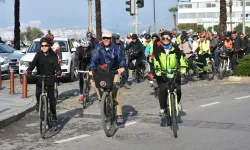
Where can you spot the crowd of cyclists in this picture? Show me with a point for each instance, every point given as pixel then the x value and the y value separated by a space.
pixel 163 51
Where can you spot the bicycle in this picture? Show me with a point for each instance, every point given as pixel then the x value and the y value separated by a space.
pixel 56 90
pixel 44 107
pixel 173 112
pixel 108 107
pixel 225 64
pixel 86 88
pixel 139 73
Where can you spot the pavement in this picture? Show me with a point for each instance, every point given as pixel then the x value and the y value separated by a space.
pixel 216 116
pixel 13 107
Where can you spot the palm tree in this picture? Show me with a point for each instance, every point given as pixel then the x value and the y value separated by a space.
pixel 17 24
pixel 174 10
pixel 231 11
pixel 98 19
pixel 223 18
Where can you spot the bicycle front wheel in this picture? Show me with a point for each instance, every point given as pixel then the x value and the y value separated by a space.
pixel 108 117
pixel 43 113
pixel 86 96
pixel 210 71
pixel 173 115
pixel 222 68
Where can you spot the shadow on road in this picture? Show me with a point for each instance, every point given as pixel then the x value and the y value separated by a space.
pixel 128 111
pixel 67 94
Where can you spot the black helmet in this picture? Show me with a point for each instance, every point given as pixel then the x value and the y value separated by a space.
pixel 184 37
pixel 134 36
pixel 115 36
pixel 147 36
pixel 228 34
pixel 155 35
pixel 89 34
pixel 47 40
pixel 167 33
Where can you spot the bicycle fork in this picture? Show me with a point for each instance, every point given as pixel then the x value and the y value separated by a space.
pixel 169 102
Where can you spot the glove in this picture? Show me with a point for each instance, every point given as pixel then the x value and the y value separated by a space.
pixel 27 72
pixel 59 74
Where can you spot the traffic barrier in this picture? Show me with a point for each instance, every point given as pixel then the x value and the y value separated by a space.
pixel 24 87
pixel 12 81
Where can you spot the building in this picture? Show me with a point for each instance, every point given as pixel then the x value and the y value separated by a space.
pixel 207 12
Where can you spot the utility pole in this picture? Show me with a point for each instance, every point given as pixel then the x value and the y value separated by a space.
pixel 90 26
pixel 243 16
pixel 136 20
pixel 154 18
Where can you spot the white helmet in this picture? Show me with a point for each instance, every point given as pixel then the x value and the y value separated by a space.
pixel 84 43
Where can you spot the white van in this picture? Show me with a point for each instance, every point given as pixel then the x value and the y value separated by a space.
pixel 67 63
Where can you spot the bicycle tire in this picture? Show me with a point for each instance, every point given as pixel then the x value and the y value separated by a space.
pixel 85 86
pixel 211 66
pixel 43 113
pixel 184 79
pixel 108 113
pixel 221 70
pixel 173 115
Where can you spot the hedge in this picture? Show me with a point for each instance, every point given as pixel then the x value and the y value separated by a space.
pixel 243 67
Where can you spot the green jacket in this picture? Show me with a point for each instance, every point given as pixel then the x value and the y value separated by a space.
pixel 173 59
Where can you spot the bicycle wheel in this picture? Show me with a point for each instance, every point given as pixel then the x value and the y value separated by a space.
pixel 108 115
pixel 222 68
pixel 56 91
pixel 184 79
pixel 210 71
pixel 85 99
pixel 43 113
pixel 173 115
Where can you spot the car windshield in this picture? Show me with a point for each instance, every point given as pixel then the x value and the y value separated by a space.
pixel 36 47
pixel 6 49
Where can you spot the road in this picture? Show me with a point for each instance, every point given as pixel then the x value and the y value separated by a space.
pixel 216 116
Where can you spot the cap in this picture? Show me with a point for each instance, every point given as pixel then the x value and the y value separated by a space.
pixel 107 34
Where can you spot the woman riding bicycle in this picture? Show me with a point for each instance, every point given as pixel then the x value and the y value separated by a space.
pixel 167 55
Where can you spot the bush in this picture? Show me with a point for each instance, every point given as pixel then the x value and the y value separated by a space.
pixel 243 67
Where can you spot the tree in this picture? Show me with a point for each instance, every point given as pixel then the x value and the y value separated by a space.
pixel 210 29
pixel 194 27
pixel 199 28
pixel 238 28
pixel 32 33
pixel 22 36
pixel 98 19
pixel 231 11
pixel 174 10
pixel 17 24
pixel 223 18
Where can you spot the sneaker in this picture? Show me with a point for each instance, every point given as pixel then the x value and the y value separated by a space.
pixel 162 112
pixel 54 118
pixel 80 98
pixel 127 86
pixel 119 119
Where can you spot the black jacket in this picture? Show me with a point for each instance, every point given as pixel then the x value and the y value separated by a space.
pixel 46 65
pixel 82 57
pixel 238 43
pixel 136 49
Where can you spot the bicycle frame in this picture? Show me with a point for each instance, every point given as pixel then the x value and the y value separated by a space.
pixel 169 102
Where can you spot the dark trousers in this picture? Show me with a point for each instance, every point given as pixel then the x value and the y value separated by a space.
pixel 163 91
pixel 125 76
pixel 51 96
pixel 217 58
pixel 202 58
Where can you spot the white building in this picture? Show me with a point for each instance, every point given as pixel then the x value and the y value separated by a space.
pixel 207 12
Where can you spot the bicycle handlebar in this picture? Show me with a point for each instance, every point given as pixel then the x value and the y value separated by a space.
pixel 81 71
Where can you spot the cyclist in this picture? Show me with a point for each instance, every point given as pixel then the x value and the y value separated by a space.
pixel 136 54
pixel 50 35
pixel 91 39
pixel 203 48
pixel 148 40
pixel 46 63
pixel 110 53
pixel 167 54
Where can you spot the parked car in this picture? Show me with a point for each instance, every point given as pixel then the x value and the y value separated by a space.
pixel 67 63
pixel 10 58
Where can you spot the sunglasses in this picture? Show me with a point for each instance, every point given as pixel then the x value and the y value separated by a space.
pixel 165 38
pixel 106 38
pixel 133 39
pixel 44 45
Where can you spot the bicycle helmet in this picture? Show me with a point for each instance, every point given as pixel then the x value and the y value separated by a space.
pixel 115 36
pixel 228 34
pixel 167 33
pixel 147 36
pixel 84 43
pixel 47 40
pixel 155 35
pixel 89 34
pixel 134 36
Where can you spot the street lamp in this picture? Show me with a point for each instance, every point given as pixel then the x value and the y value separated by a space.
pixel 154 17
pixel 243 15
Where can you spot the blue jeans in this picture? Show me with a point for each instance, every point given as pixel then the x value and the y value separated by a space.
pixel 217 58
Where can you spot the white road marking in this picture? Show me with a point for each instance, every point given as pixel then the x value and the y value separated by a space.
pixel 72 139
pixel 209 104
pixel 242 97
pixel 131 123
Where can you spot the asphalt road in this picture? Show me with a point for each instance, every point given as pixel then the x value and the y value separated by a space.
pixel 216 117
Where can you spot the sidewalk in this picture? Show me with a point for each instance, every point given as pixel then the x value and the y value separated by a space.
pixel 13 107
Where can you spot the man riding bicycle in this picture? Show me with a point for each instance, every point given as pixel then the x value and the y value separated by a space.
pixel 135 50
pixel 109 53
pixel 46 62
pixel 167 55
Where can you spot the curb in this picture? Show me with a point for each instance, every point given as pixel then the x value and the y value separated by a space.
pixel 237 79
pixel 18 114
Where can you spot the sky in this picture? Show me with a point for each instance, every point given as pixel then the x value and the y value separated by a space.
pixel 67 14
